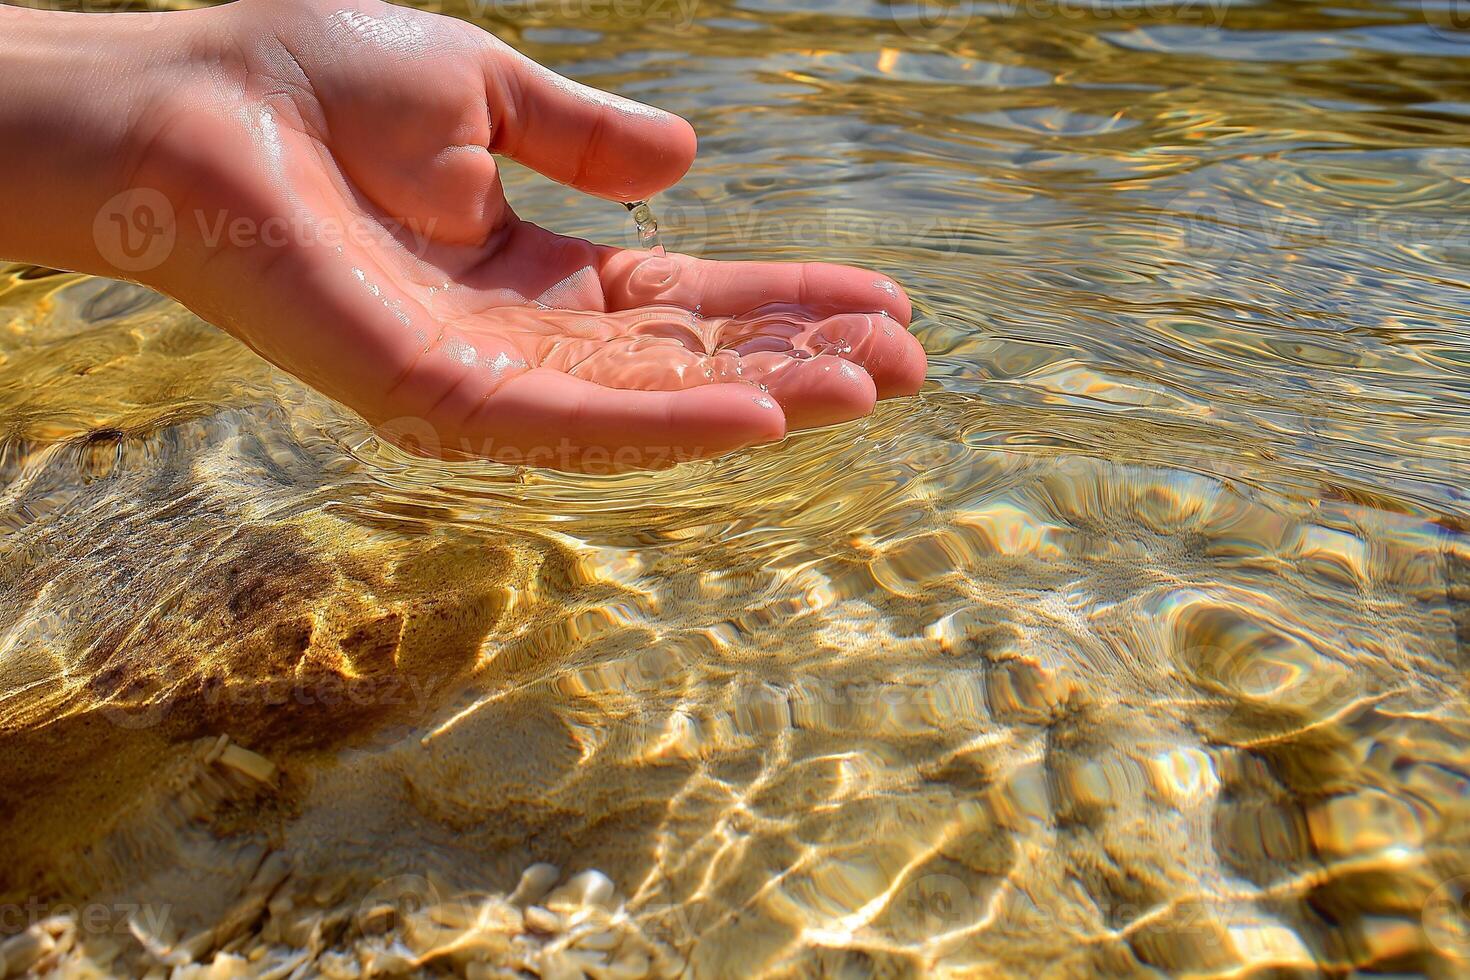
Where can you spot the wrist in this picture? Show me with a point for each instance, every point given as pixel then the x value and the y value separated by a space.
pixel 76 91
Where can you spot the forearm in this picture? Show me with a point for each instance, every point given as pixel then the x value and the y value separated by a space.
pixel 72 90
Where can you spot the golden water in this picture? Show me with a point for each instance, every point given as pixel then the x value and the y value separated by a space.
pixel 1137 643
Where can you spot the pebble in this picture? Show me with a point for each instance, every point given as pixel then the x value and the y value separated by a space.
pixel 477 937
pixel 252 764
pixel 535 882
pixel 18 952
pixel 631 965
pixel 601 939
pixel 544 920
pixel 339 966
pixel 586 888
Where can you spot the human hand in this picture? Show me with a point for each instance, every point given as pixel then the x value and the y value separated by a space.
pixel 329 171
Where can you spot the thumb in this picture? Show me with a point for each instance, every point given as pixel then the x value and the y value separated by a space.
pixel 597 142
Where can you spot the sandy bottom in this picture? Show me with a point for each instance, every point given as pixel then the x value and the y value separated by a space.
pixel 261 923
pixel 278 700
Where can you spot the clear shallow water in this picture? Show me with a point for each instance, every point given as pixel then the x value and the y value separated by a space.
pixel 1136 644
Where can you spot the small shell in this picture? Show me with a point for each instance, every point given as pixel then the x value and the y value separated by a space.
pixel 224 966
pixel 217 749
pixel 601 939
pixel 535 882
pixel 196 946
pixel 252 764
pixel 631 965
pixel 377 919
pixel 339 966
pixel 567 964
pixel 539 919
pixel 489 971
pixel 20 951
pixel 457 913
pixel 282 966
pixel 587 888
pixel 590 962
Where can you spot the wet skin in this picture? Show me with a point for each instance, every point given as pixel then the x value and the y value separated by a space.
pixel 334 202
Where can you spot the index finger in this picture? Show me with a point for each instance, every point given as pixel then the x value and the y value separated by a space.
pixel 597 142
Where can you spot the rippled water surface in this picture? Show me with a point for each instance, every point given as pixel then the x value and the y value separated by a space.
pixel 1136 643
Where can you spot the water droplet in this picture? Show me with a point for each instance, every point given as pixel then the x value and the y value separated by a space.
pixel 647 227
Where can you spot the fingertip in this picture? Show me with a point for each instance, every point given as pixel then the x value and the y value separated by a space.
pixel 646 151
pixel 902 367
pixel 893 299
pixel 733 416
pixel 824 390
pixel 860 290
pixel 600 143
pixel 677 148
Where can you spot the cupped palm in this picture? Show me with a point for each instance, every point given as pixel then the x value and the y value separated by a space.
pixel 396 278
